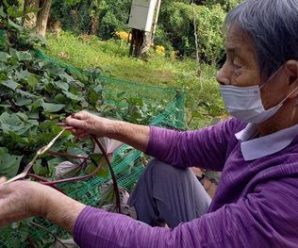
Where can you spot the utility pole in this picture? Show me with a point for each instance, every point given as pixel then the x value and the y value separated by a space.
pixel 154 27
pixel 143 21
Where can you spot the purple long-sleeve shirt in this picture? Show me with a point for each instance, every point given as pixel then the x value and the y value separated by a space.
pixel 256 204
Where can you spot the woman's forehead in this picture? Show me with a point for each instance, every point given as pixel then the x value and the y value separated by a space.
pixel 239 42
pixel 236 38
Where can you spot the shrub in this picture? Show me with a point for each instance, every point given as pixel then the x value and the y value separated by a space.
pixel 180 26
pixel 209 22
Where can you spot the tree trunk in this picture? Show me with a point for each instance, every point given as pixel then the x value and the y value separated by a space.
pixel 75 20
pixel 42 17
pixel 144 43
pixel 137 40
pixel 94 25
pixel 30 9
pixel 147 43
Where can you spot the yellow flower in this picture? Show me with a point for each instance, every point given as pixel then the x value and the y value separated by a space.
pixel 122 35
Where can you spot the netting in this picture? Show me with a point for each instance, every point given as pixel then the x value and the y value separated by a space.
pixel 128 163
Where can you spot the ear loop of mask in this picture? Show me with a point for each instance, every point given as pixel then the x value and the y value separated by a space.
pixel 271 77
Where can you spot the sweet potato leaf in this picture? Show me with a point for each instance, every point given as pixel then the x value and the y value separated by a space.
pixel 9 164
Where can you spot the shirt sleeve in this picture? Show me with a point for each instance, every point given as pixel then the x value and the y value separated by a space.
pixel 266 218
pixel 206 148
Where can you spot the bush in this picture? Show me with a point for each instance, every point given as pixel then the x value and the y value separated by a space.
pixel 180 26
pixel 209 22
pixel 226 4
pixel 76 15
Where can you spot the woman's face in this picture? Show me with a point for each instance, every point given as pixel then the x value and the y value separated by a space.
pixel 241 69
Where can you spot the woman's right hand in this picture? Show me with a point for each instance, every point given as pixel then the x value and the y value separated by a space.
pixel 83 123
pixel 23 199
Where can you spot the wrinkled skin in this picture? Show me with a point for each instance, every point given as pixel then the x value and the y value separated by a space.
pixel 23 199
pixel 84 123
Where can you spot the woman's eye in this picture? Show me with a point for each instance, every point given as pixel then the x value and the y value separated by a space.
pixel 236 64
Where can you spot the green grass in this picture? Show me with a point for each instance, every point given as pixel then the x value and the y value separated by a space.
pixel 203 102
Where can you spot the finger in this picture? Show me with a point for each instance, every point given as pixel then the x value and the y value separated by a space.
pixel 3 180
pixel 72 122
pixel 75 116
pixel 79 116
pixel 61 124
pixel 82 136
pixel 70 128
pixel 78 131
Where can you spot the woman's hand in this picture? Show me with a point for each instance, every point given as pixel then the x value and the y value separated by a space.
pixel 21 199
pixel 83 123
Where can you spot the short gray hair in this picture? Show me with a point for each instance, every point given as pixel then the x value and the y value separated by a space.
pixel 273 27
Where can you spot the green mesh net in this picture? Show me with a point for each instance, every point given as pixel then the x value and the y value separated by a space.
pixel 127 163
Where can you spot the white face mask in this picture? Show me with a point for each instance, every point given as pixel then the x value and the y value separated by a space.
pixel 245 103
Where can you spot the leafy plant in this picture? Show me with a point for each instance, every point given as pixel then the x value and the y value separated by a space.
pixel 180 19
pixel 36 95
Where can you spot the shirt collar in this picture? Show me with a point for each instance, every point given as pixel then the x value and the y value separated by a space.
pixel 254 148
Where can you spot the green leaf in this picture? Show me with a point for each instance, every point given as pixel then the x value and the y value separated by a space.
pixel 98 159
pixel 66 77
pixel 10 84
pixel 52 163
pixel 26 94
pixel 15 26
pixel 2 13
pixel 24 56
pixel 32 80
pixel 27 77
pixel 72 96
pixel 12 123
pixel 61 85
pixel 39 169
pixel 4 57
pixel 9 164
pixel 52 107
pixel 21 101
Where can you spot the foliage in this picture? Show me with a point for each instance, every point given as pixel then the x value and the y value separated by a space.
pixel 112 15
pixel 180 20
pixel 226 4
pixel 36 95
pixel 209 22
pixel 175 26
pixel 203 101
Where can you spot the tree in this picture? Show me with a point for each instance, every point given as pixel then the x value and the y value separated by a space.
pixel 142 40
pixel 30 9
pixel 43 16
pixel 37 20
pixel 94 15
pixel 10 7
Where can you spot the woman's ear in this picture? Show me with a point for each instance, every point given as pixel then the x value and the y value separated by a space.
pixel 291 75
pixel 291 69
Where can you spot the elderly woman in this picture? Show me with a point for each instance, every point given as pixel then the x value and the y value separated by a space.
pixel 257 151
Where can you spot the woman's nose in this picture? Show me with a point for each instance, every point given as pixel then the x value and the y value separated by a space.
pixel 221 77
